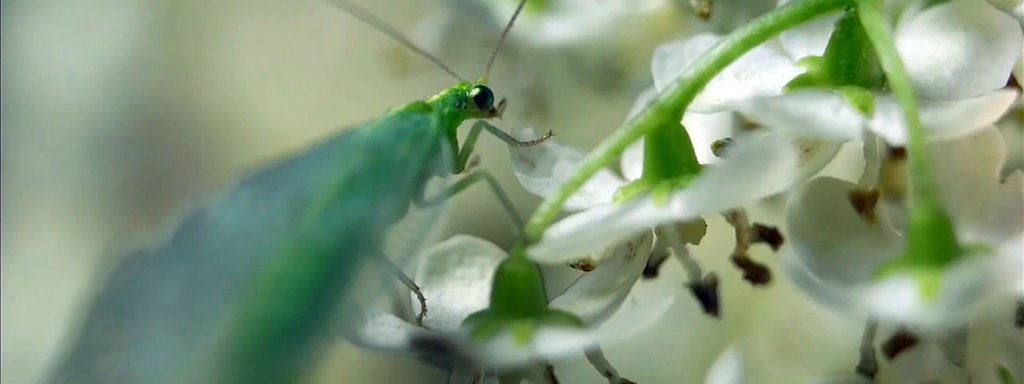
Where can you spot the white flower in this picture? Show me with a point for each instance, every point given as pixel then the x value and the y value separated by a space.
pixel 970 353
pixel 958 54
pixel 568 22
pixel 756 167
pixel 727 368
pixel 456 278
pixel 835 253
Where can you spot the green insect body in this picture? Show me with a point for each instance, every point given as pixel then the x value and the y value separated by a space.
pixel 247 289
pixel 398 153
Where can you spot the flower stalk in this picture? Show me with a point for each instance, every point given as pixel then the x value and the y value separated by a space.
pixel 670 104
pixel 931 240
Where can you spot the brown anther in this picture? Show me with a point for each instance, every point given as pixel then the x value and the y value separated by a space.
pixel 753 272
pixel 706 293
pixel 654 264
pixel 864 202
pixel 585 265
pixel 703 9
pixel 900 341
pixel 897 153
pixel 893 175
pixel 768 235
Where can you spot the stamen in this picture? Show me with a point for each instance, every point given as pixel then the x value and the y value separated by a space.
pixel 706 292
pixel 703 287
pixel 868 364
pixel 753 272
pixel 654 263
pixel 761 233
pixel 893 176
pixel 597 359
pixel 900 341
pixel 864 202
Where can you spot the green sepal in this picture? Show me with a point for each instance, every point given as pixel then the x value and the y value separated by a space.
pixel 660 190
pixel 862 100
pixel 518 288
pixel 518 303
pixel 1004 375
pixel 670 164
pixel 849 66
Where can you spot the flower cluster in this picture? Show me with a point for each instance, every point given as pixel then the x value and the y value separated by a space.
pixel 924 243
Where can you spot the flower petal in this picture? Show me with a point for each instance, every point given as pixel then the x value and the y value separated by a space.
pixel 814 155
pixel 848 249
pixel 754 169
pixel 596 295
pixel 941 118
pixel 759 73
pixel 543 168
pixel 958 49
pixel 380 331
pixel 985 208
pixel 808 39
pixel 810 114
pixel 704 129
pixel 834 254
pixel 926 362
pixel 727 369
pixel 632 161
pixel 994 340
pixel 455 276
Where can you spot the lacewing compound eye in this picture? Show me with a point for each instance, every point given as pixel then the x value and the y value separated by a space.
pixel 482 96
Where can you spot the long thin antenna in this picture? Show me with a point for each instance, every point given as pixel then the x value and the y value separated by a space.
pixel 501 40
pixel 383 27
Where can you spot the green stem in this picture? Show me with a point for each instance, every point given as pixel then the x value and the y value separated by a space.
pixel 873 20
pixel 931 242
pixel 670 104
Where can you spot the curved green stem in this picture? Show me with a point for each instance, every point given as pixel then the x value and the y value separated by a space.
pixel 670 104
pixel 873 20
pixel 931 242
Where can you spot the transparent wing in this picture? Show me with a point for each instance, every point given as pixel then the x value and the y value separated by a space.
pixel 165 314
pixel 403 245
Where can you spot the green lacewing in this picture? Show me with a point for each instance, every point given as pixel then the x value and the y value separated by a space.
pixel 247 288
